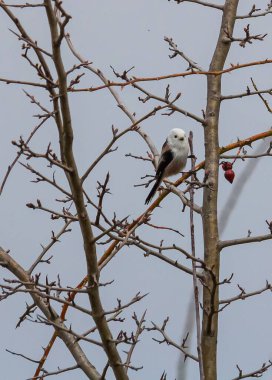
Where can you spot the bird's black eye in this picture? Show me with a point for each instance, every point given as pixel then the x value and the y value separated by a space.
pixel 176 136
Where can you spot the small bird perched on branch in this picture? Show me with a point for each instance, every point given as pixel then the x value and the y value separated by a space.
pixel 172 159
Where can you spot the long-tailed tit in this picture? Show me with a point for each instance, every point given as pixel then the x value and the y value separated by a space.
pixel 172 159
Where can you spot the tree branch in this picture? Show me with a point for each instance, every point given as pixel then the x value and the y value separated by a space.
pixel 195 284
pixel 70 342
pixel 211 72
pixel 66 145
pixel 200 2
pixel 210 193
pixel 250 239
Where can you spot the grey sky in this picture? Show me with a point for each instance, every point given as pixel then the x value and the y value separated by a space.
pixel 125 34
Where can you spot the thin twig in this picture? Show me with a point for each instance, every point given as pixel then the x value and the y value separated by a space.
pixel 243 294
pixel 169 341
pixel 140 329
pixel 11 166
pixel 251 239
pixel 26 83
pixel 257 373
pixel 200 2
pixel 54 239
pixel 173 47
pixel 120 103
pixel 26 5
pixel 22 356
pixel 196 293
pixel 57 372
pixel 261 97
pixel 134 80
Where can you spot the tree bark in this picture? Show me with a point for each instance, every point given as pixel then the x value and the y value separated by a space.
pixel 67 155
pixel 210 222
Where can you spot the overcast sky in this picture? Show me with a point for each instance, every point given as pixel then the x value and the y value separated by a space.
pixel 123 34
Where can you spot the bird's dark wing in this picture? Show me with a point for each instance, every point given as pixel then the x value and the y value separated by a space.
pixel 165 159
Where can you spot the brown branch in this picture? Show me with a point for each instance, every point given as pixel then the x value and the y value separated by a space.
pixel 246 156
pixel 50 314
pixel 33 100
pixel 32 44
pixel 116 136
pixel 103 376
pixel 247 93
pixel 198 261
pixel 6 289
pixel 43 178
pixel 69 331
pixel 201 165
pixel 29 310
pixel 105 232
pixel 257 373
pixel 120 103
pixel 261 97
pixel 139 330
pixel 250 239
pixel 253 13
pixel 46 287
pixel 111 251
pixel 156 203
pixel 67 369
pixel 112 318
pixel 11 166
pixel 243 295
pixel 210 193
pixel 261 14
pixel 138 157
pixel 170 104
pixel 45 72
pixel 26 5
pixel 117 247
pixel 169 341
pixel 138 297
pixel 211 72
pixel 15 81
pixel 66 145
pixel 50 156
pixel 200 2
pixel 62 24
pixel 195 284
pixel 248 37
pixel 164 228
pixel 185 201
pixel 174 48
pixel 66 215
pixel 174 263
pixel 22 356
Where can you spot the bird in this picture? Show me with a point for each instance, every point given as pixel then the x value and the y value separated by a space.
pixel 172 159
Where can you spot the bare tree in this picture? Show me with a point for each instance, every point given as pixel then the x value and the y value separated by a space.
pixel 79 211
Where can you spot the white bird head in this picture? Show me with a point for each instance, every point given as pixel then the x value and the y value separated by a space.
pixel 177 137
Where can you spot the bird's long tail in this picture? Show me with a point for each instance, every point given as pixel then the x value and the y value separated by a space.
pixel 153 190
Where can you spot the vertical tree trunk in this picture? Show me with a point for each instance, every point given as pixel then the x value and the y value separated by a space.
pixel 210 223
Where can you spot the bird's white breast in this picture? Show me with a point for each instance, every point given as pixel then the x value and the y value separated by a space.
pixel 179 161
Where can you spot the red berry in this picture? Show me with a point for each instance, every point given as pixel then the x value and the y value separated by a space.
pixel 226 165
pixel 229 175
